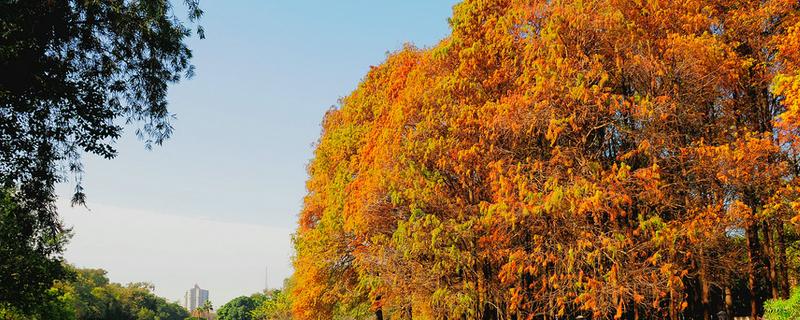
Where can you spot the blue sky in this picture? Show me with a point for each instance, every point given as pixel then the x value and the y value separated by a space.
pixel 232 177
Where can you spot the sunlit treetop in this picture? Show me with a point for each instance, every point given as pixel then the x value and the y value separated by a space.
pixel 561 158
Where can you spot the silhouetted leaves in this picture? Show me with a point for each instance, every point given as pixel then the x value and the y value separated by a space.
pixel 73 74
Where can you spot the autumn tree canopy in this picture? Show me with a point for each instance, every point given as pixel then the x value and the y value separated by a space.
pixel 596 158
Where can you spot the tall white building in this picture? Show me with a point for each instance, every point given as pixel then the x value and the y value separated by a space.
pixel 195 298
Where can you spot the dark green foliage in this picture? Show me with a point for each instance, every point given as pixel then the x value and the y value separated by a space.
pixel 269 305
pixel 240 308
pixel 29 260
pixel 54 306
pixel 91 296
pixel 71 71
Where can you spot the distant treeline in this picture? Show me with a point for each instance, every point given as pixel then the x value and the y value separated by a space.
pixel 268 305
pixel 87 294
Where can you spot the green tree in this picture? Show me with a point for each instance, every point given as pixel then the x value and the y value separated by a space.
pixel 71 73
pixel 89 295
pixel 92 296
pixel 29 260
pixel 240 308
pixel 277 305
pixel 54 306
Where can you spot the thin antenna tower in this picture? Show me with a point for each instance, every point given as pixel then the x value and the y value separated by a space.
pixel 266 278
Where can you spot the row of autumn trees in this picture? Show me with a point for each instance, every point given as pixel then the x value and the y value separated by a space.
pixel 596 158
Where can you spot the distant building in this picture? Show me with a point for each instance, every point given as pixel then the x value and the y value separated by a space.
pixel 195 298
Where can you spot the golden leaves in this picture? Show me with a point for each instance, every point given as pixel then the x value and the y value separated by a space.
pixel 554 157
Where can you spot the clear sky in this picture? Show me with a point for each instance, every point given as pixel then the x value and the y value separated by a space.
pixel 219 201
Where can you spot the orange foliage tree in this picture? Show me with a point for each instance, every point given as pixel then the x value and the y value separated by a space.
pixel 596 158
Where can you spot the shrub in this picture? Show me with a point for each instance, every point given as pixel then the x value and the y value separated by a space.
pixel 779 309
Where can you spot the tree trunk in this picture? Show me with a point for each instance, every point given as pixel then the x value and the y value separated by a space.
pixel 673 314
pixel 769 251
pixel 704 297
pixel 704 287
pixel 379 310
pixel 728 301
pixel 489 312
pixel 783 267
pixel 754 258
